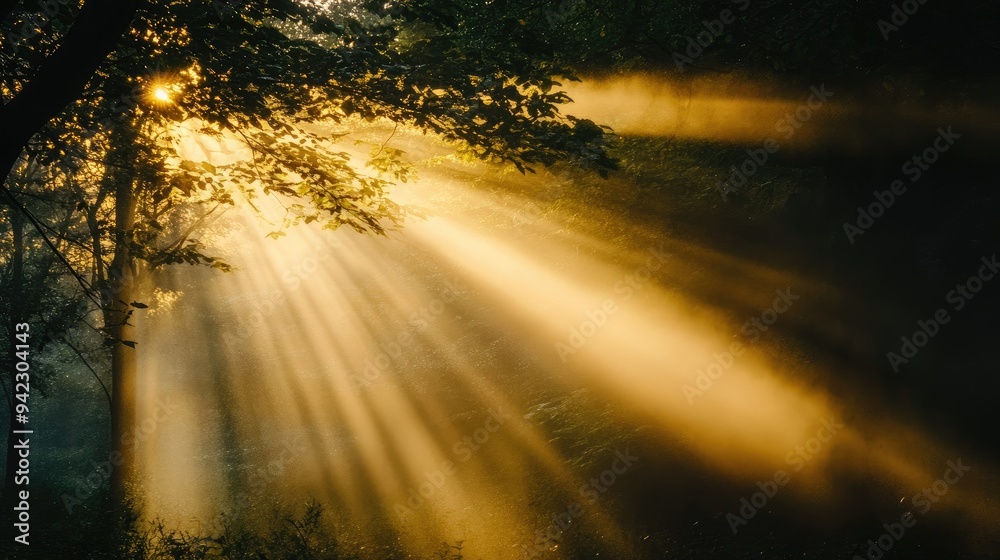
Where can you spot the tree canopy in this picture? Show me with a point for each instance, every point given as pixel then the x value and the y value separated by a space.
pixel 96 94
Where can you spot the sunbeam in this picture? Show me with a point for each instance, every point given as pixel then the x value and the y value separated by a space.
pixel 395 378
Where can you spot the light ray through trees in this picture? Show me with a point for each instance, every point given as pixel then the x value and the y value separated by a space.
pixel 353 370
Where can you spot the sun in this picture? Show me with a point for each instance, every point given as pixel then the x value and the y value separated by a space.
pixel 162 91
pixel 162 95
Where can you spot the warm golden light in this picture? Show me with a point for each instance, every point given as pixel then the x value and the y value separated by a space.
pixel 360 371
pixel 731 109
pixel 162 95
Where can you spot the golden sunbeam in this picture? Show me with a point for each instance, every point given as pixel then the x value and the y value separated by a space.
pixel 415 383
pixel 797 116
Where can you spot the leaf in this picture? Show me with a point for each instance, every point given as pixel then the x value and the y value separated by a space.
pixel 138 305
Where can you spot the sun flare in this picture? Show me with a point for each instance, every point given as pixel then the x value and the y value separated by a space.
pixel 162 95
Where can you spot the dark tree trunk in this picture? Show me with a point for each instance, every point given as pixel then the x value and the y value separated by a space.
pixel 99 26
pixel 117 298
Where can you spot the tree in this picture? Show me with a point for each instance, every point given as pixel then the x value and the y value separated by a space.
pixel 34 282
pixel 41 92
pixel 264 72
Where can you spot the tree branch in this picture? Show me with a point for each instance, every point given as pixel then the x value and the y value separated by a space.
pixel 18 207
pixel 62 77
pixel 86 363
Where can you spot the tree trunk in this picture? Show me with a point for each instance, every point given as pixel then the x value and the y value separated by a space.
pixel 118 295
pixel 60 79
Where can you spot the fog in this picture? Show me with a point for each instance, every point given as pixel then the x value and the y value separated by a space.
pixel 470 376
